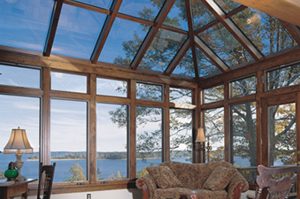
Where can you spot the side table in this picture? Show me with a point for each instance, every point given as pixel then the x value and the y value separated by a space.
pixel 11 189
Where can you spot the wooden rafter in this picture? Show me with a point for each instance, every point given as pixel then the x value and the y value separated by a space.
pixel 233 29
pixel 178 57
pixel 52 27
pixel 105 30
pixel 163 13
pixel 87 6
pixel 211 55
pixel 293 30
pixel 191 36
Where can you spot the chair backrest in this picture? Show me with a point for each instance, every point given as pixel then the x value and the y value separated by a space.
pixel 277 181
pixel 46 176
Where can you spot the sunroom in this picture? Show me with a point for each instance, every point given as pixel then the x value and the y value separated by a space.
pixel 106 88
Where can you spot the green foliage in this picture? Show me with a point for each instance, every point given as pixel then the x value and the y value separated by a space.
pixel 77 173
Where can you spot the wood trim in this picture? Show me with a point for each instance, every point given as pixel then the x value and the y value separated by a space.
pixel 232 28
pixel 57 6
pixel 180 54
pixel 11 90
pixel 112 100
pixel 105 30
pixel 66 95
pixel 286 57
pixel 163 13
pixel 298 136
pixel 131 169
pixel 260 75
pixel 87 6
pixel 293 30
pixel 227 125
pixel 166 125
pixel 210 54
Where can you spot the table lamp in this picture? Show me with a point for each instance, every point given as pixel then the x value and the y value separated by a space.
pixel 18 143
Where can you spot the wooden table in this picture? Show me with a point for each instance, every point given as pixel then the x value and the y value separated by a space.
pixel 11 189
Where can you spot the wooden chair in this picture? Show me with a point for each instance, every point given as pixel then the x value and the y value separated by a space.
pixel 277 181
pixel 46 176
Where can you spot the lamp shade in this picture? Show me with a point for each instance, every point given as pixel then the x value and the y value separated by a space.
pixel 200 135
pixel 18 142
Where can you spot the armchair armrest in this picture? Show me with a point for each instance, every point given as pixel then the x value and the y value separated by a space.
pixel 147 185
pixel 237 185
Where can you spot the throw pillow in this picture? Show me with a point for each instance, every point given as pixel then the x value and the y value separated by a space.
pixel 164 177
pixel 219 178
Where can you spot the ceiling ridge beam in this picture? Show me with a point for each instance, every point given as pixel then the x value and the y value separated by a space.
pixel 211 54
pixel 57 6
pixel 163 13
pixel 191 36
pixel 179 55
pixel 233 29
pixel 105 30
pixel 293 30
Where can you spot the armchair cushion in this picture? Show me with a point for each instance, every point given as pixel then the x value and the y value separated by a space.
pixel 164 177
pixel 223 174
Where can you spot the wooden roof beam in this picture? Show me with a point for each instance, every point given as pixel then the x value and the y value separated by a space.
pixel 293 30
pixel 152 32
pixel 233 29
pixel 286 10
pixel 211 55
pixel 105 30
pixel 180 54
pixel 57 6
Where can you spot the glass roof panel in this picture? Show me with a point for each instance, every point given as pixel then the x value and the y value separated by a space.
pixel 24 24
pixel 77 32
pixel 177 16
pixel 99 3
pixel 227 5
pixel 121 48
pixel 205 67
pixel 219 39
pixel 162 50
pixel 200 14
pixel 266 32
pixel 185 67
pixel 146 9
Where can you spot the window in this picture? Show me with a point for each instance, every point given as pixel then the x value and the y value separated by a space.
pixel 149 92
pixel 110 87
pixel 112 122
pixel 23 112
pixel 213 94
pixel 243 87
pixel 20 77
pixel 148 137
pixel 181 141
pixel 68 82
pixel 180 96
pixel 68 140
pixel 283 77
pixel 214 133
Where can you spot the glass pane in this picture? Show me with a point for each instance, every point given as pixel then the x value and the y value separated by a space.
pixel 226 46
pixel 214 133
pixel 205 67
pixel 121 48
pixel 24 24
pixel 213 94
pixel 243 131
pixel 68 140
pixel 181 142
pixel 149 92
pixel 111 87
pixel 20 77
pixel 148 138
pixel 243 87
pixel 68 82
pixel 227 5
pixel 163 48
pixel 282 134
pixel 200 14
pixel 23 112
pixel 111 141
pixel 177 16
pixel 180 95
pixel 185 67
pixel 77 32
pixel 102 3
pixel 146 9
pixel 283 77
pixel 266 32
